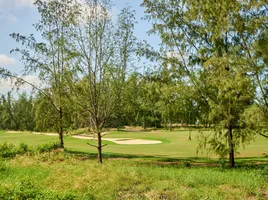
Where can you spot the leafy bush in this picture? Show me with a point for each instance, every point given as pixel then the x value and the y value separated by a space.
pixel 10 150
pixel 24 148
pixel 48 147
pixel 187 164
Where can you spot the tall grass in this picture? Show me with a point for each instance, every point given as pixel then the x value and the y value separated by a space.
pixel 60 175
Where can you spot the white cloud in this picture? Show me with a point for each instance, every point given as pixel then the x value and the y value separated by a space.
pixel 6 85
pixel 6 60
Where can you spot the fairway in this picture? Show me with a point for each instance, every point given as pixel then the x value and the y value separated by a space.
pixel 175 144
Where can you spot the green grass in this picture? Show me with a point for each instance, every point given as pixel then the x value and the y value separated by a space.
pixel 169 170
pixel 175 144
pixel 63 176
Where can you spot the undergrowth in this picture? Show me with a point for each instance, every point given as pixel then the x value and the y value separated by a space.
pixel 61 175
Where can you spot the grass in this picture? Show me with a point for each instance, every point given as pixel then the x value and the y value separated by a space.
pixel 175 144
pixel 64 176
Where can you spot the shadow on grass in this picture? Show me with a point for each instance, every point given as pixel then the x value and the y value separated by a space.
pixel 174 129
pixel 162 161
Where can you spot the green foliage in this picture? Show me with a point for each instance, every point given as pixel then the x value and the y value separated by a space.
pixel 17 113
pixel 215 46
pixel 187 164
pixel 26 189
pixel 211 70
pixel 48 147
pixel 3 165
pixel 10 150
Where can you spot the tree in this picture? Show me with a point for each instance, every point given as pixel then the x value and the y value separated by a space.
pixel 16 113
pixel 102 57
pixel 207 39
pixel 23 110
pixel 8 120
pixel 50 57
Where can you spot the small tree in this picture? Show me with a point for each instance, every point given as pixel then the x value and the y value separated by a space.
pixel 102 48
pixel 49 57
pixel 209 38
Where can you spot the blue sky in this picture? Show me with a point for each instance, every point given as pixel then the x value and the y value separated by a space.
pixel 17 16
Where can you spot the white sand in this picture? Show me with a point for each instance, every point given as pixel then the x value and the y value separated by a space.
pixel 48 134
pixel 127 141
pixel 122 140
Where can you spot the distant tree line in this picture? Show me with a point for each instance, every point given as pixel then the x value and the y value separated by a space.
pixel 152 100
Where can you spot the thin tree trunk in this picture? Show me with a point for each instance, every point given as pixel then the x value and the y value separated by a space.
pixel 99 149
pixel 61 129
pixel 231 146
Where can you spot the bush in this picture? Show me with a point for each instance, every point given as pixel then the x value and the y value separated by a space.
pixel 187 164
pixel 48 147
pixel 10 150
pixel 24 148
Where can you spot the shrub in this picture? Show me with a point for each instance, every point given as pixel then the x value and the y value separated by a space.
pixel 187 164
pixel 24 148
pixel 10 150
pixel 48 147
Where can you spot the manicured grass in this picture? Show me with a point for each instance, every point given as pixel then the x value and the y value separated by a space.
pixel 63 176
pixel 175 144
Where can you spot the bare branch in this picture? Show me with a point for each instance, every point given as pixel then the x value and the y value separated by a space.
pixel 92 145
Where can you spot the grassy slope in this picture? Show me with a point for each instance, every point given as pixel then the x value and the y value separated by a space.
pixel 63 176
pixel 175 144
pixel 127 179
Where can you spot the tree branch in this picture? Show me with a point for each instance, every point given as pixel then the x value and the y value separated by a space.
pixel 92 145
pixel 266 136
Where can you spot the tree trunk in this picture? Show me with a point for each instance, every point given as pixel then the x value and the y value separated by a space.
pixel 231 146
pixel 99 149
pixel 61 129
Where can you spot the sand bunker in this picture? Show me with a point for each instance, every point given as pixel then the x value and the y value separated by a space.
pixel 122 140
pixel 48 134
pixel 127 141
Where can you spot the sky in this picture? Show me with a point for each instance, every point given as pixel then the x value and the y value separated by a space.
pixel 18 16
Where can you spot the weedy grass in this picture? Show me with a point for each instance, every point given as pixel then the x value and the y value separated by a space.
pixel 170 170
pixel 61 175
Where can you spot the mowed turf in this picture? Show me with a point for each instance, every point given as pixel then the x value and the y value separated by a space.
pixel 175 144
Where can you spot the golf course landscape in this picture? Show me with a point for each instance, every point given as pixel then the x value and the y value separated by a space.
pixel 134 100
pixel 168 170
pixel 174 144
